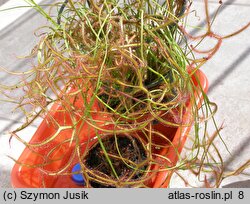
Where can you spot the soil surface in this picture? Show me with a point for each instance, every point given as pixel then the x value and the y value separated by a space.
pixel 125 154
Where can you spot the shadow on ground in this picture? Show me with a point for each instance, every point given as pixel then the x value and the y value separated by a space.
pixel 5 179
pixel 238 184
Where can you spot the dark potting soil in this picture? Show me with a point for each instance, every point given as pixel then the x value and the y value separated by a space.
pixel 130 148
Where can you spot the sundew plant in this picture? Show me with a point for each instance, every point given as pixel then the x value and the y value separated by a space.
pixel 119 68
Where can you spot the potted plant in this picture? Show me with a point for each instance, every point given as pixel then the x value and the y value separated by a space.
pixel 118 94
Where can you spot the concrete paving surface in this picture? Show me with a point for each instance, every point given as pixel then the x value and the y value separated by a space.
pixel 228 73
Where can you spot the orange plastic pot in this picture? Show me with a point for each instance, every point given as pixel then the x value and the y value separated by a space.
pixel 162 179
pixel 26 176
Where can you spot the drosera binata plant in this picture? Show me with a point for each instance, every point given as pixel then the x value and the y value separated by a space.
pixel 128 62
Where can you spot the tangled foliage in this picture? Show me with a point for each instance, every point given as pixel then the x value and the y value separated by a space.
pixel 110 76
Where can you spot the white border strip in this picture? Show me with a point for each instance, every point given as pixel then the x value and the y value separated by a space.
pixel 9 16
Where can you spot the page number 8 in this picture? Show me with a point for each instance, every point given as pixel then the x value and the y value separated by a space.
pixel 241 195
